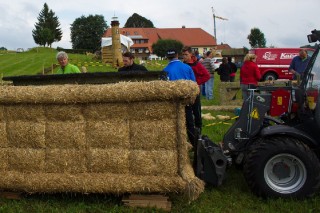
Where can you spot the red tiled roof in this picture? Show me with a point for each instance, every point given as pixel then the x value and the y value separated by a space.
pixel 223 46
pixel 194 37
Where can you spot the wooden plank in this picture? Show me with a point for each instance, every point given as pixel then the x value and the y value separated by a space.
pixel 11 195
pixel 157 201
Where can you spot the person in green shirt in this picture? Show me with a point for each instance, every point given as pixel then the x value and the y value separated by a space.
pixel 65 67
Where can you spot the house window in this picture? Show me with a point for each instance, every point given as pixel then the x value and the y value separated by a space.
pixel 194 49
pixel 132 51
pixel 140 50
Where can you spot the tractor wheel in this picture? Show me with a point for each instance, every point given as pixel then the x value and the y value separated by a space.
pixel 282 167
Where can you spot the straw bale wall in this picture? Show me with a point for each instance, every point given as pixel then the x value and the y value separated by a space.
pixel 115 138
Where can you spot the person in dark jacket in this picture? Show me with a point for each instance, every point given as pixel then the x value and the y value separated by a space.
pixel 129 65
pixel 224 70
pixel 234 68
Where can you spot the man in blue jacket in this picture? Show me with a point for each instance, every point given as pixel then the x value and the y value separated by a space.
pixel 176 70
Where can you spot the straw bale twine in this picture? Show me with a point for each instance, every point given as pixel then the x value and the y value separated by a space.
pixel 25 134
pixel 65 134
pixel 3 135
pixel 158 163
pixel 115 161
pixel 26 160
pixel 108 134
pixel 65 161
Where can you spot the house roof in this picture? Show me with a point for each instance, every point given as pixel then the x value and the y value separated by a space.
pixel 194 37
pixel 223 46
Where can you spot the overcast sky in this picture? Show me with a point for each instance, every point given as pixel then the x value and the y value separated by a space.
pixel 285 23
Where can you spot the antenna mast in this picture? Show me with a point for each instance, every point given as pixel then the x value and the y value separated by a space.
pixel 214 23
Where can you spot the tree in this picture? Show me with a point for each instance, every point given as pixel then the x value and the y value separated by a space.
pixel 161 47
pixel 47 28
pixel 136 21
pixel 256 38
pixel 86 32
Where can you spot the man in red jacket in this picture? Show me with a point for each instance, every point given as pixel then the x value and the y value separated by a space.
pixel 202 76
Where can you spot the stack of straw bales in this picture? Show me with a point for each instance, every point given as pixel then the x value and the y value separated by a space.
pixel 118 138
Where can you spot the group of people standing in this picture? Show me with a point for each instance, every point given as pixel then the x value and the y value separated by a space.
pixel 202 72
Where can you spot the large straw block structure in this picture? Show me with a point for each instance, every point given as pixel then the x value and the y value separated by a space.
pixel 119 138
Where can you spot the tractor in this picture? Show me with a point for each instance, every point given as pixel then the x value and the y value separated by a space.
pixel 275 140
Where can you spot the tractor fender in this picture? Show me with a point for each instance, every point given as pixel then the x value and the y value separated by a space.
pixel 288 130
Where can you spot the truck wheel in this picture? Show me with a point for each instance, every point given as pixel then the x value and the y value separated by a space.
pixel 270 76
pixel 282 167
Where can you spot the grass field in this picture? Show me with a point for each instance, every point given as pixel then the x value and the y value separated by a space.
pixel 233 196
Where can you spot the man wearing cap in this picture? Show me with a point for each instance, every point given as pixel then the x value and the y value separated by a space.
pixel 177 70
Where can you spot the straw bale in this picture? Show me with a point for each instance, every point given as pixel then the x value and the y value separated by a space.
pixel 65 112
pixel 154 134
pixel 90 183
pixel 108 134
pixel 3 159
pixel 182 90
pixel 115 161
pixel 157 163
pixel 114 138
pixel 152 110
pixel 106 111
pixel 25 112
pixel 65 161
pixel 3 135
pixel 26 160
pixel 24 134
pixel 65 135
pixel 2 113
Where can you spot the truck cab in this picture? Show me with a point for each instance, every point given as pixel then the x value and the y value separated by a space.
pixel 274 62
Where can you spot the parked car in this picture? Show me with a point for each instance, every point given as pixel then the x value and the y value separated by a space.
pixel 216 62
pixel 153 57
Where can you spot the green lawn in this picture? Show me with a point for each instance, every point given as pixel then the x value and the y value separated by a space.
pixel 232 196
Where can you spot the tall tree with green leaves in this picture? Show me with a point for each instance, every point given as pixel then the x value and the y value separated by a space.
pixel 47 29
pixel 256 38
pixel 137 21
pixel 161 47
pixel 86 32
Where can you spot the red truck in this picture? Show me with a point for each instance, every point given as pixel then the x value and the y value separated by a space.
pixel 274 62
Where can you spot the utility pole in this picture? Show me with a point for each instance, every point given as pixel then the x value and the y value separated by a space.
pixel 214 23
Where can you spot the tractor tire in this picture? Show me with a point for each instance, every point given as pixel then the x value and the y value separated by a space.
pixel 282 167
